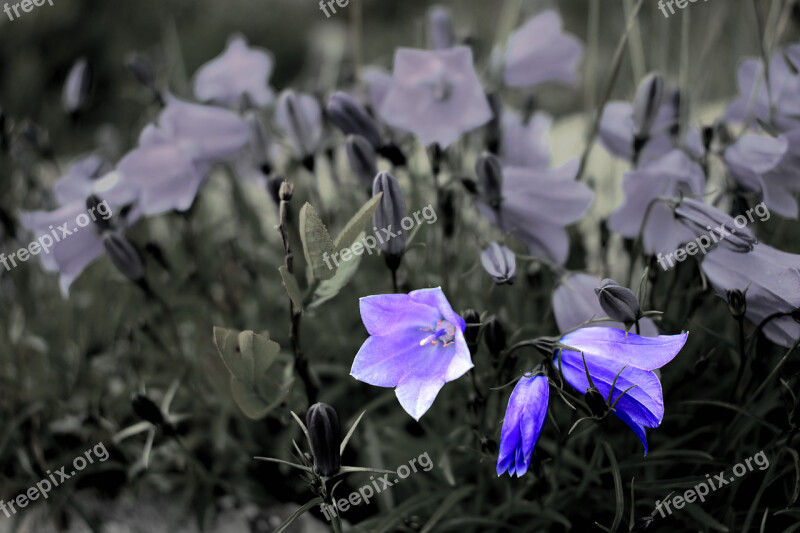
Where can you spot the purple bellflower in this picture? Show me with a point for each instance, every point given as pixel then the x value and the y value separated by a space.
pixel 435 94
pixel 80 178
pixel 772 280
pixel 416 345
pixel 299 117
pixel 540 51
pixel 752 162
pixel 525 144
pixel 575 303
pixel 238 71
pixel 522 425
pixel 536 206
pixel 625 362
pixel 669 177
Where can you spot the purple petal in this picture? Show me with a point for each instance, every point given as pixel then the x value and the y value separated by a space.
pixel 647 353
pixel 239 70
pixel 386 314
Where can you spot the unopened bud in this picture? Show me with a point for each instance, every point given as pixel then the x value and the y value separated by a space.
pixel 737 303
pixel 124 256
pixel 490 177
pixel 647 104
pixel 286 191
pixel 146 409
pixel 390 213
pixel 352 119
pixel 619 303
pixel 703 219
pixel 325 438
pixel 495 336
pixel 77 86
pixel 440 28
pixel 362 159
pixel 500 263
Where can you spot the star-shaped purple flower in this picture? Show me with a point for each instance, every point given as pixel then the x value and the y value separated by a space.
pixel 435 94
pixel 416 345
pixel 540 51
pixel 239 70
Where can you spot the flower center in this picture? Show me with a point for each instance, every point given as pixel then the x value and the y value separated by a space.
pixel 443 332
pixel 440 86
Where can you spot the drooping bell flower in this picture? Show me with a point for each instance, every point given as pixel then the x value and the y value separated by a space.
pixel 416 345
pixel 352 119
pixel 490 177
pixel 540 51
pixel 783 92
pixel 781 184
pixel 80 179
pixel 390 214
pixel 575 303
pixel 300 119
pixel 772 280
pixel 669 177
pixel 441 33
pixel 646 105
pixel 435 94
pixel 362 159
pixel 751 159
pixel 500 263
pixel 324 436
pixel 240 70
pixel 705 219
pixel 623 359
pixel 619 303
pixel 525 417
pixel 77 86
pixel 525 144
pixel 536 206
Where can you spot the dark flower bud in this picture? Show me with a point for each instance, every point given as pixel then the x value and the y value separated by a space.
pixel 286 191
pixel 490 177
pixel 647 104
pixel 472 329
pixel 141 69
pixel 713 226
pixel 362 159
pixel 124 256
pixel 393 154
pixel 618 302
pixel 351 118
pixel 500 263
pixel 495 336
pixel 146 409
pixel 92 205
pixel 77 86
pixel 737 304
pixel 389 215
pixel 440 28
pixel 597 404
pixel 325 437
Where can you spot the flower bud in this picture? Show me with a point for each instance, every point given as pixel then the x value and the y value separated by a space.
pixel 286 191
pixel 490 177
pixel 618 302
pixel 472 330
pixel 146 409
pixel 92 203
pixel 704 220
pixel 76 88
pixel 352 119
pixel 325 438
pixel 737 304
pixel 393 154
pixel 500 263
pixel 141 69
pixel 124 256
pixel 647 104
pixel 597 404
pixel 299 117
pixel 440 28
pixel 495 336
pixel 389 215
pixel 362 159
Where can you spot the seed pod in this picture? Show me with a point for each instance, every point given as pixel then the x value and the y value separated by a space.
pixel 500 263
pixel 441 33
pixel 77 86
pixel 352 119
pixel 146 409
pixel 495 336
pixel 490 177
pixel 618 302
pixel 390 214
pixel 325 438
pixel 362 159
pixel 647 104
pixel 124 256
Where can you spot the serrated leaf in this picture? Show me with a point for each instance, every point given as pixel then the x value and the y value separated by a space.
pixel 344 274
pixel 292 288
pixel 317 244
pixel 352 230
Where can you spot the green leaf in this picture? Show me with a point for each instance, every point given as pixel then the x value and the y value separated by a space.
pixel 227 343
pixel 620 498
pixel 292 288
pixel 330 288
pixel 350 433
pixel 354 227
pixel 297 514
pixel 317 244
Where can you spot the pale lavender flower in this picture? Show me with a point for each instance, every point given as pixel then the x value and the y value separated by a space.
pixel 435 94
pixel 299 117
pixel 617 130
pixel 540 51
pixel 751 158
pixel 240 70
pixel 525 144
pixel 77 86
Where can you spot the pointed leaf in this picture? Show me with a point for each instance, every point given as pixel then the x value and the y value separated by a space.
pixel 297 514
pixel 328 289
pixel 292 288
pixel 317 244
pixel 353 228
